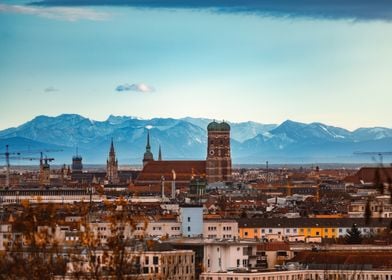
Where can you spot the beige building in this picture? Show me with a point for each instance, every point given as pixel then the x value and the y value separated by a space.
pixel 168 265
pixel 220 229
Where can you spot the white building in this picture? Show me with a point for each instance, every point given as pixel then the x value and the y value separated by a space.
pixel 49 196
pixel 226 255
pixel 301 275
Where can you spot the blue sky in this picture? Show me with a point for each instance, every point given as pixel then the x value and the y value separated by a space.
pixel 155 62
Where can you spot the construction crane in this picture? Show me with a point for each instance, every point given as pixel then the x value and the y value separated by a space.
pixel 17 155
pixel 7 163
pixel 379 154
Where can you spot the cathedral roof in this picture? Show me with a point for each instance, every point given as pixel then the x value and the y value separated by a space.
pixel 184 169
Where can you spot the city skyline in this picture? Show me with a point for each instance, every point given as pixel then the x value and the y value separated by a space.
pixel 96 61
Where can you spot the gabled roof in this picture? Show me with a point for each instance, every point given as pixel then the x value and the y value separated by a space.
pixel 311 222
pixel 184 169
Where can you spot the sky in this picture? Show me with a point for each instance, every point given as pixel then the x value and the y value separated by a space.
pixel 226 64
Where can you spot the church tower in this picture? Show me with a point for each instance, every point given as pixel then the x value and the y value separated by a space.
pixel 148 156
pixel 160 153
pixel 112 166
pixel 218 153
pixel 77 165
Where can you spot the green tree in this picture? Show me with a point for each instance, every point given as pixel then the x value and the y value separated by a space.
pixel 353 236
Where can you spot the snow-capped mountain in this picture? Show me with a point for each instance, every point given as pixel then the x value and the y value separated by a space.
pixel 252 142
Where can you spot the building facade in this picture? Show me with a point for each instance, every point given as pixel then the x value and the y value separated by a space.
pixel 218 165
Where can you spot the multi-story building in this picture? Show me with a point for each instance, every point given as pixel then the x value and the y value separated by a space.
pixel 64 195
pixel 191 219
pixel 220 228
pixel 226 255
pixel 285 228
pixel 145 264
pixel 294 274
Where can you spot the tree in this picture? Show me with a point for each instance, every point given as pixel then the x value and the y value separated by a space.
pixel 353 236
pixel 34 251
pixel 368 212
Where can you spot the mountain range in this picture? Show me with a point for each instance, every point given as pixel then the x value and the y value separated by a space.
pixel 186 138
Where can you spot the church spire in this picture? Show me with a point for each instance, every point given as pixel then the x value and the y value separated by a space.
pixel 112 166
pixel 148 156
pixel 111 152
pixel 148 147
pixel 160 153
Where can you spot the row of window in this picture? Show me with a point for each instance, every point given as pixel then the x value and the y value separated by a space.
pixel 331 276
pixel 309 230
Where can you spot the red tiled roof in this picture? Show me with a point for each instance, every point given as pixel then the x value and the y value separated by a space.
pixel 369 174
pixel 376 259
pixel 154 170
pixel 273 246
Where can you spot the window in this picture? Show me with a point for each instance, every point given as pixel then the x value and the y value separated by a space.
pixel 145 269
pixel 189 228
pixel 155 260
pixel 146 260
pixel 238 262
pixel 189 219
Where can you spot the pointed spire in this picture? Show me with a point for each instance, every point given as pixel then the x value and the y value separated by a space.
pixel 160 153
pixel 111 148
pixel 148 156
pixel 148 147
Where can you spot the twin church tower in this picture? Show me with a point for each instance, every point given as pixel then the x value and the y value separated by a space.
pixel 216 168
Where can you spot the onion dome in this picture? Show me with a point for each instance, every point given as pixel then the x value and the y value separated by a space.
pixel 214 126
pixel 225 126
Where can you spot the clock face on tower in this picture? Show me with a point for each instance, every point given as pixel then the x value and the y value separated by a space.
pixel 212 152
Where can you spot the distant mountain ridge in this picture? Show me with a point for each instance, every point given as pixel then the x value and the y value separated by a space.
pixel 185 138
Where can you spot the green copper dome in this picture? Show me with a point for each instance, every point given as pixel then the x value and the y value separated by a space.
pixel 214 126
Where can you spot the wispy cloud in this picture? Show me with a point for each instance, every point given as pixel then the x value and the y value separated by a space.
pixel 339 9
pixel 60 13
pixel 135 87
pixel 51 89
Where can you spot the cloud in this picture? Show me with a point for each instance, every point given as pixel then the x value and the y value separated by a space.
pixel 60 13
pixel 135 87
pixel 51 89
pixel 335 9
